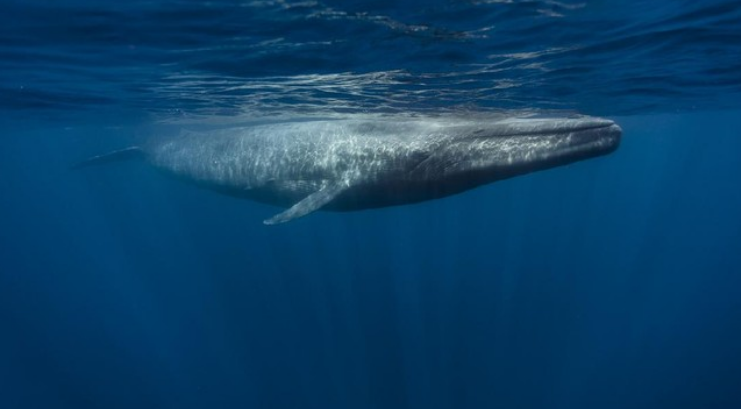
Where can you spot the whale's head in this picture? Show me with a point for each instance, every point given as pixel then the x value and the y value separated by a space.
pixel 486 152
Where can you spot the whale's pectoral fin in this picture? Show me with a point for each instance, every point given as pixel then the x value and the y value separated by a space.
pixel 310 203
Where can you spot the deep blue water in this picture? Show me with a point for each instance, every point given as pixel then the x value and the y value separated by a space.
pixel 610 283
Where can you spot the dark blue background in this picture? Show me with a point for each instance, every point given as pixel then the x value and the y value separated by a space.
pixel 611 283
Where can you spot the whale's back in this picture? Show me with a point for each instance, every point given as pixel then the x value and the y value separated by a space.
pixel 298 153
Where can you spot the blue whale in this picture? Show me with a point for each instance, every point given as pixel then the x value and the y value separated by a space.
pixel 353 164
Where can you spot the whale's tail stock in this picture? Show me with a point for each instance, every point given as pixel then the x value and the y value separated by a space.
pixel 120 155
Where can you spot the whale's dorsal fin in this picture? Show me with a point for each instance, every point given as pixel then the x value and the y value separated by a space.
pixel 131 152
pixel 310 203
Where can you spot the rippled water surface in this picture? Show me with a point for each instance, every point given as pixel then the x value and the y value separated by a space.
pixel 197 60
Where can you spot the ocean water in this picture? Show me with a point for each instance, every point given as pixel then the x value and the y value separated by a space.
pixel 610 283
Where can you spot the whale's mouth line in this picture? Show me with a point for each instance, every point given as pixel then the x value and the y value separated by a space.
pixel 560 131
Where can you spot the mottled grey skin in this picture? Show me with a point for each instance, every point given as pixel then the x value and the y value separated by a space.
pixel 358 164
